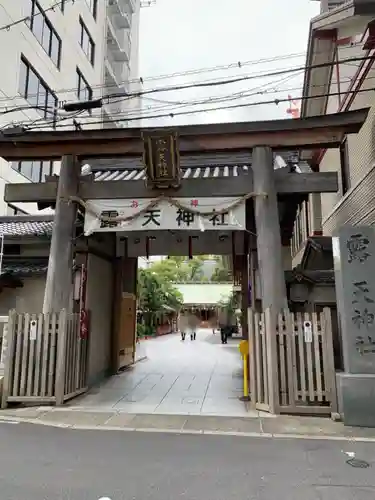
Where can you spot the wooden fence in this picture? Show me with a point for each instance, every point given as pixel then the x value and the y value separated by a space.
pixel 45 359
pixel 292 363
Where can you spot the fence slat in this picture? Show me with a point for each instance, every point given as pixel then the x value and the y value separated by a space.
pixel 252 356
pixel 282 346
pixel 301 353
pixel 18 356
pixel 272 368
pixel 25 355
pixel 52 330
pixel 9 357
pixel 259 380
pixel 31 371
pixel 309 358
pixel 290 361
pixel 38 354
pixel 329 369
pixel 45 356
pixel 317 336
pixel 264 359
pixel 61 359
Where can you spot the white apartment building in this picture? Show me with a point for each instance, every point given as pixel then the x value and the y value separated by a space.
pixel 62 51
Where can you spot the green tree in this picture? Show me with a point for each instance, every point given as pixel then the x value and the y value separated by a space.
pixel 180 269
pixel 155 295
pixel 221 272
pixel 169 270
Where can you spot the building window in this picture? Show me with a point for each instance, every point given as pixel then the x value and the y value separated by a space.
pixel 344 166
pixel 84 91
pixel 45 32
pixel 93 6
pixel 35 171
pixel 33 88
pixel 87 43
pixel 12 210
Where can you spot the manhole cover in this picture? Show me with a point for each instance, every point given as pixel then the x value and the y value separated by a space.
pixel 358 464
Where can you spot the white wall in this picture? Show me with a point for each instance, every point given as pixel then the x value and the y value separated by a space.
pixel 8 175
pixel 29 298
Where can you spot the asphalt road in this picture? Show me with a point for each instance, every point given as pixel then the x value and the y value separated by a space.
pixel 46 463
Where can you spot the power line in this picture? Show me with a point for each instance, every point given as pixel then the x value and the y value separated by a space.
pixel 98 103
pixel 280 72
pixel 185 73
pixel 239 79
pixel 233 106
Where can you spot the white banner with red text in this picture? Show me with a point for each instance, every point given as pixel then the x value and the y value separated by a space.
pixel 226 214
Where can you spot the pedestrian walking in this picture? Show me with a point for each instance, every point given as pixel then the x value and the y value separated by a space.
pixel 193 325
pixel 223 325
pixel 183 324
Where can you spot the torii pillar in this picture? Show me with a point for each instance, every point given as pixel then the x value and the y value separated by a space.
pixel 273 289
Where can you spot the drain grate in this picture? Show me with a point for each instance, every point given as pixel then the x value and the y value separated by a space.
pixel 358 464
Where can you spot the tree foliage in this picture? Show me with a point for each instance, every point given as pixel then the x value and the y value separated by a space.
pixel 180 269
pixel 155 292
pixel 221 272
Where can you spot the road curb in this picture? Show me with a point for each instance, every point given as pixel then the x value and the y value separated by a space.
pixel 191 432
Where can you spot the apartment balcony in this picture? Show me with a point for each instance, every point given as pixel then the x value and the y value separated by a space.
pixel 120 14
pixel 131 4
pixel 118 42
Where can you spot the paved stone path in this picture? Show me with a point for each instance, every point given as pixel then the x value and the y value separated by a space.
pixel 202 377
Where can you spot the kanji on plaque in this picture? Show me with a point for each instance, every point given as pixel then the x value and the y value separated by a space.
pixel 184 217
pixel 151 217
pixel 219 219
pixel 110 214
pixel 194 203
pixel 135 204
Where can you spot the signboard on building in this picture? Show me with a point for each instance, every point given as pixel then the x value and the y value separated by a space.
pixel 225 214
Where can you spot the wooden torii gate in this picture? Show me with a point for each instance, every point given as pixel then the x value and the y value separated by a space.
pixel 163 151
pixel 260 138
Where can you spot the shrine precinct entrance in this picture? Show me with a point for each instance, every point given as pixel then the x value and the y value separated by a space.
pixel 218 188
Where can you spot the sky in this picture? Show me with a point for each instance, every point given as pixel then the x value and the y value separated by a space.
pixel 231 36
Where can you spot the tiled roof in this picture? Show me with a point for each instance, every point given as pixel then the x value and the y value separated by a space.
pixel 24 268
pixel 26 228
pixel 193 166
pixel 193 160
pixel 187 173
pixel 204 293
pixel 18 225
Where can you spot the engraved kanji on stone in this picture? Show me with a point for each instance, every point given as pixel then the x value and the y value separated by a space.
pixel 357 246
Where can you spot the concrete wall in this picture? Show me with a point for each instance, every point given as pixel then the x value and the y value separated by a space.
pixel 100 304
pixel 29 298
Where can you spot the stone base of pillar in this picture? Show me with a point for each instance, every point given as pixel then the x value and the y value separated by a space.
pixel 356 399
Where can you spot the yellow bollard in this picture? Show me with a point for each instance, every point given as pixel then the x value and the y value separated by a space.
pixel 244 350
pixel 245 381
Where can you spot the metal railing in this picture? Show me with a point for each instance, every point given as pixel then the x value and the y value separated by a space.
pixel 301 228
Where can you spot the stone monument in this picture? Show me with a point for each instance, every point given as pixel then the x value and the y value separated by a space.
pixel 354 262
